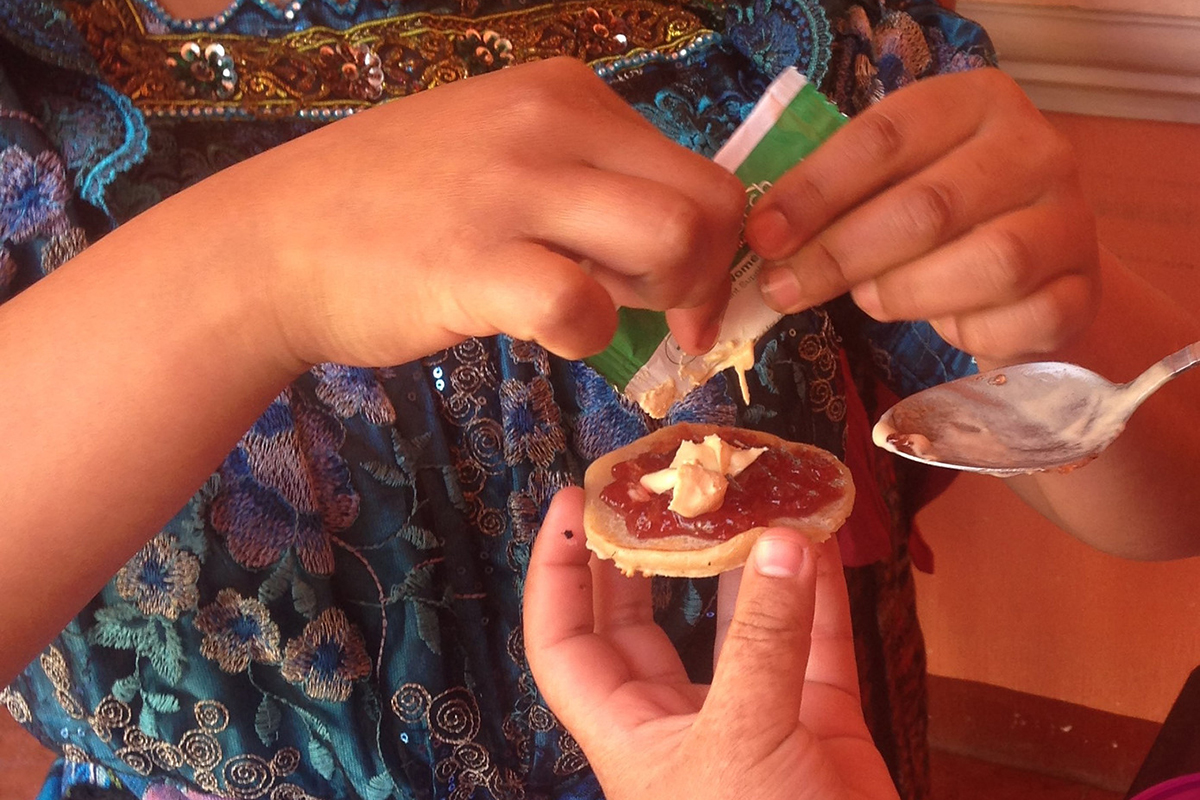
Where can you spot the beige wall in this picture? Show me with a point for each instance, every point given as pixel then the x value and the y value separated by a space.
pixel 1015 602
pixel 1179 8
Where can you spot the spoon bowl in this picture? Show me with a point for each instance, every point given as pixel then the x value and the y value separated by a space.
pixel 1025 418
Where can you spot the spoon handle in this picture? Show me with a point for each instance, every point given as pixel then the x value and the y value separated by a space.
pixel 1149 381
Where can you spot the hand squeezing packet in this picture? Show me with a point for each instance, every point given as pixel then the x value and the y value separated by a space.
pixel 643 360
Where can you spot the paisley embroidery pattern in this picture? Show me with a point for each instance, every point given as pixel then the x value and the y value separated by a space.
pixel 117 140
pixel 16 705
pixel 781 33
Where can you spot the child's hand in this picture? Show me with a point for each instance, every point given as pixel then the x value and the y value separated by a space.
pixel 952 200
pixel 529 202
pixel 782 718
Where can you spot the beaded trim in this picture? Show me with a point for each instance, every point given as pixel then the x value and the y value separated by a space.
pixel 322 73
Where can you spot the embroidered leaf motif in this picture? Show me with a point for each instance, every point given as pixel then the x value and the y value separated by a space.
pixel 267 720
pixel 148 722
pixel 379 788
pixel 162 645
pixel 408 453
pixel 428 626
pixel 370 706
pixel 127 688
pixel 418 582
pixel 321 759
pixel 113 628
pixel 162 703
pixel 418 537
pixel 453 490
pixel 189 531
pixel 386 474
pixel 124 628
pixel 755 414
pixel 765 368
pixel 305 599
pixel 693 605
pixel 278 581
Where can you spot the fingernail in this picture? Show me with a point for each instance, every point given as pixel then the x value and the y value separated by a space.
pixel 780 288
pixel 712 329
pixel 779 557
pixel 769 232
pixel 866 297
pixel 947 328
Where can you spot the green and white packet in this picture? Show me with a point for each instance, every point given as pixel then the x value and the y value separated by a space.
pixel 643 360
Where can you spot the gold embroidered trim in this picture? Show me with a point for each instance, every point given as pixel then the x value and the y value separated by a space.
pixel 323 72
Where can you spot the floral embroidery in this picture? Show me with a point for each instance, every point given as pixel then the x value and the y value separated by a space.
pixel 33 194
pixel 161 578
pixel 286 488
pixel 64 246
pixel 327 657
pixel 484 52
pixel 532 428
pixel 237 630
pixel 901 52
pixel 354 390
pixel 358 65
pixel 205 73
pixel 950 58
pixel 523 352
pixel 528 507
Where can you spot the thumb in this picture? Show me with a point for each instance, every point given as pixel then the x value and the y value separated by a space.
pixel 759 677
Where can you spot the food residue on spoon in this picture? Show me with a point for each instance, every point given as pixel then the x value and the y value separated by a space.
pixel 913 444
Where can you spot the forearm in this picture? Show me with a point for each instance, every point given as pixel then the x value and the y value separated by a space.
pixel 128 375
pixel 1140 498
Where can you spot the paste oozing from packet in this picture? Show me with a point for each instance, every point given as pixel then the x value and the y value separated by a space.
pixel 761 484
pixel 644 361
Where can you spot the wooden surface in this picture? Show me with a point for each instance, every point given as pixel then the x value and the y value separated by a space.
pixel 1038 734
pixel 1015 602
pixel 1179 8
pixel 23 761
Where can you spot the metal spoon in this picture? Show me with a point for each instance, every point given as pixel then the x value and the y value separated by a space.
pixel 1024 418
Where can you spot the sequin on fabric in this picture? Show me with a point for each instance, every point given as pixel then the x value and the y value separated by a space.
pixel 323 72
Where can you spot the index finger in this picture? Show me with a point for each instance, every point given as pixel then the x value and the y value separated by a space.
pixel 831 659
pixel 575 668
pixel 889 140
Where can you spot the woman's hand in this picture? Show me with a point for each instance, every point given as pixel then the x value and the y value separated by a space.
pixel 952 200
pixel 782 718
pixel 531 202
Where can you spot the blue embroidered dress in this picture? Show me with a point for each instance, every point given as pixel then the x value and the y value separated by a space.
pixel 335 614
